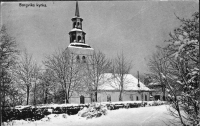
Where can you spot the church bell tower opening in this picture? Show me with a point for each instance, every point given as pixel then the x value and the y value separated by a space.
pixel 77 44
pixel 77 35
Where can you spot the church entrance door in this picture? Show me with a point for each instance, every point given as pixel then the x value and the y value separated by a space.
pixel 82 99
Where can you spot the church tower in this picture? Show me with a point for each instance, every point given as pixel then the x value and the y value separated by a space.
pixel 77 44
pixel 77 35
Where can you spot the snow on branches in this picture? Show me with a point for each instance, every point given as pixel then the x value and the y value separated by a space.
pixel 183 52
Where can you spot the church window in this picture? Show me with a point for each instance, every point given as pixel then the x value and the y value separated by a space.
pixel 74 24
pixel 77 24
pixel 83 40
pixel 93 97
pixel 108 98
pixel 79 38
pixel 83 59
pixel 70 37
pixel 137 98
pixel 131 97
pixel 73 38
pixel 80 25
pixel 78 59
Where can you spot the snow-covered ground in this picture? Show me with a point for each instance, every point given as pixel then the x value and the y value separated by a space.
pixel 143 116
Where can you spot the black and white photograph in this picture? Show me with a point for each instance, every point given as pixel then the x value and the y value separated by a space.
pixel 100 63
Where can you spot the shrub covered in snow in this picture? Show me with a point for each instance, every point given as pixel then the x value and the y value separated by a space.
pixel 45 119
pixel 94 110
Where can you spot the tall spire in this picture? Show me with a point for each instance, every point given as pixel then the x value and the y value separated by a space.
pixel 77 10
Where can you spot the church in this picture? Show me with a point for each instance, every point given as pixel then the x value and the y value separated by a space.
pixel 134 90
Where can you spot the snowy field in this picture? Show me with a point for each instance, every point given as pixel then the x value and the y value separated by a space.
pixel 143 116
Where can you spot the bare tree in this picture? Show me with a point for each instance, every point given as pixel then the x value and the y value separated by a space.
pixel 48 87
pixel 8 53
pixel 65 70
pixel 158 64
pixel 97 65
pixel 121 67
pixel 24 72
pixel 36 81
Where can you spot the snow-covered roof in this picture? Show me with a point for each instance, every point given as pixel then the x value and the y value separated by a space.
pixel 109 82
pixel 79 45
pixel 75 29
pixel 58 105
pixel 80 48
pixel 154 84
pixel 22 107
pixel 75 17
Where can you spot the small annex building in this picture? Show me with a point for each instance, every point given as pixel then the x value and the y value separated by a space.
pixel 109 90
pixel 133 91
pixel 157 91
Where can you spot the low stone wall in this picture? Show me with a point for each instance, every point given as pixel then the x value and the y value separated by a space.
pixel 39 112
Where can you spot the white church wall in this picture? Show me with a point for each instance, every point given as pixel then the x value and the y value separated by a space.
pixel 75 98
pixel 135 96
pixel 102 96
pixel 127 96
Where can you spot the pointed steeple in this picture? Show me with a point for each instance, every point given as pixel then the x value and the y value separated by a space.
pixel 77 44
pixel 77 35
pixel 77 10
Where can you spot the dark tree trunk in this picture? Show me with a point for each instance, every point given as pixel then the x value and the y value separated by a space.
pixel 67 97
pixel 121 90
pixel 35 95
pixel 96 94
pixel 4 96
pixel 67 100
pixel 0 103
pixel 66 94
pixel 91 97
pixel 45 96
pixel 163 90
pixel 120 96
pixel 27 100
pixel 1 90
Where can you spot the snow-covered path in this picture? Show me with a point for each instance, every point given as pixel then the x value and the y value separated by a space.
pixel 144 116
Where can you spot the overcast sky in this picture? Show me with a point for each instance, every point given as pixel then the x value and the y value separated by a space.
pixel 134 27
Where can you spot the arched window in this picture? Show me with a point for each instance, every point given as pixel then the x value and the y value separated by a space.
pixel 108 98
pixel 131 97
pixel 83 39
pixel 78 59
pixel 74 24
pixel 79 38
pixel 93 98
pixel 137 98
pixel 73 37
pixel 83 59
pixel 77 24
pixel 70 37
pixel 80 25
pixel 82 99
